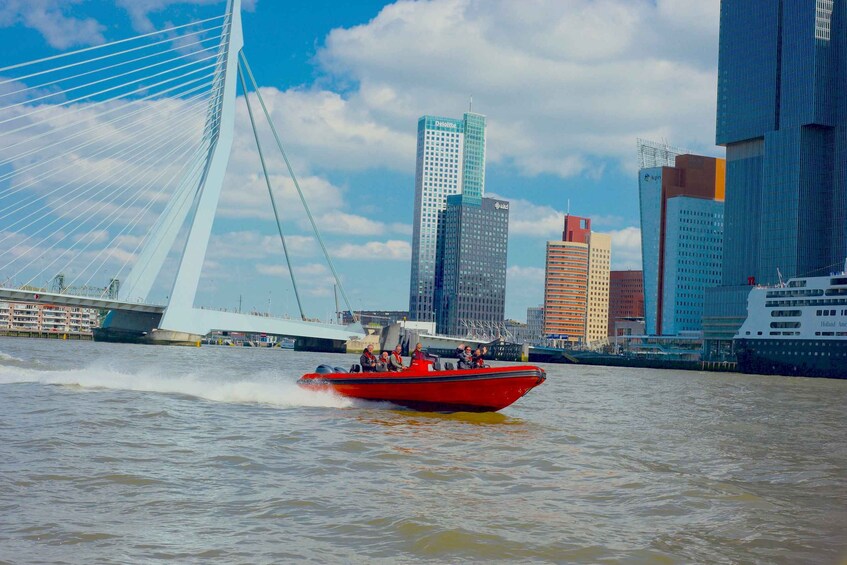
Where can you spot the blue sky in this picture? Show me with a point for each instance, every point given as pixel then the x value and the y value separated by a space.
pixel 567 87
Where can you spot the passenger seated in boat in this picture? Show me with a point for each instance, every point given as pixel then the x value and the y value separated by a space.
pixel 395 360
pixel 466 360
pixel 417 355
pixel 382 363
pixel 476 359
pixel 368 360
pixel 460 351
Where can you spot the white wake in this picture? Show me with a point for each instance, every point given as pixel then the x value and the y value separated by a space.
pixel 261 388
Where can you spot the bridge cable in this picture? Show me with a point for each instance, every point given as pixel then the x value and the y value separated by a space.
pixel 297 186
pixel 270 191
pixel 159 136
pixel 114 215
pixel 117 192
pixel 104 45
pixel 180 48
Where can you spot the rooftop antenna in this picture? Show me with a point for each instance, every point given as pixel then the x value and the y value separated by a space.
pixel 569 206
pixel 470 104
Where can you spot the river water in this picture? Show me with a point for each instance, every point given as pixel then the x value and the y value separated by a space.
pixel 140 454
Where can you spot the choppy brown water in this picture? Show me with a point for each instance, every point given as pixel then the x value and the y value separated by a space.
pixel 125 454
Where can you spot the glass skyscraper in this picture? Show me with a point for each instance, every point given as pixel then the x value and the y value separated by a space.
pixel 450 160
pixel 470 280
pixel 782 116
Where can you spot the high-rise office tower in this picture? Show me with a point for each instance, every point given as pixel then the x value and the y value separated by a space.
pixel 782 116
pixel 626 296
pixel 576 284
pixel 470 279
pixel 681 240
pixel 450 160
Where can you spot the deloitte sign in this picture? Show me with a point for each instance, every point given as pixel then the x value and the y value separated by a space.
pixel 440 124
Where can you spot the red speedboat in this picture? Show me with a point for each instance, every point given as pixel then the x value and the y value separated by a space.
pixel 420 387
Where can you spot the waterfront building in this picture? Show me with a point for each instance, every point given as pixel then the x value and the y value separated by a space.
pixel 576 284
pixel 450 161
pixel 626 297
pixel 681 240
pixel 535 323
pixel 782 116
pixel 47 318
pixel 597 303
pixel 470 275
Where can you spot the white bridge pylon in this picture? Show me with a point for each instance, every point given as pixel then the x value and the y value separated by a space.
pixel 191 211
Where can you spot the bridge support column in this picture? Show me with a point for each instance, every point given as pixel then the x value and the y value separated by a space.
pixel 320 345
pixel 168 337
pixel 121 326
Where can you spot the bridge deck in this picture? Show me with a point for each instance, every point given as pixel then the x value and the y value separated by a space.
pixel 13 294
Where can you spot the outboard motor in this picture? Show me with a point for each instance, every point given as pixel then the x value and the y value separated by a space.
pixel 324 369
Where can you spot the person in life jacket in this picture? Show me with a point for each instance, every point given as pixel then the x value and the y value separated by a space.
pixel 395 360
pixel 479 357
pixel 368 360
pixel 418 355
pixel 382 363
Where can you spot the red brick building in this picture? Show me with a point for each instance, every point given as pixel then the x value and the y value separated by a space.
pixel 626 296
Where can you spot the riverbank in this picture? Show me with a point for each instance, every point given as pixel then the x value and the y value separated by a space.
pixel 46 335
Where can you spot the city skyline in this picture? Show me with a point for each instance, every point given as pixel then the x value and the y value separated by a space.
pixel 347 115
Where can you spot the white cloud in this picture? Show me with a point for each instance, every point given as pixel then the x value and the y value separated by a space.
pixel 49 18
pixel 140 10
pixel 626 249
pixel 525 275
pixel 341 222
pixel 392 250
pixel 273 270
pixel 564 84
pixel 533 220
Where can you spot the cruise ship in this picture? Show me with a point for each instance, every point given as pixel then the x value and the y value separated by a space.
pixel 799 328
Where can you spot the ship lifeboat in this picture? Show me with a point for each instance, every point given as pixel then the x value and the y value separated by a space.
pixel 422 387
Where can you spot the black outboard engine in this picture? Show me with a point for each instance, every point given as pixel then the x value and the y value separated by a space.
pixel 324 369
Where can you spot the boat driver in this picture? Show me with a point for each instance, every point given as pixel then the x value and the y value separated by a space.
pixel 368 360
pixel 417 355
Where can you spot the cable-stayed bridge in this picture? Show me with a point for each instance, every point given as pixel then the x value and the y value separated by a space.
pixel 112 160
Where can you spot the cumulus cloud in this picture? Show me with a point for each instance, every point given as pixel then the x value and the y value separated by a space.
pixel 50 18
pixel 391 250
pixel 140 10
pixel 626 248
pixel 565 85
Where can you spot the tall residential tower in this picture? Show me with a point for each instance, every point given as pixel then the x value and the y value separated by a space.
pixel 576 284
pixel 450 160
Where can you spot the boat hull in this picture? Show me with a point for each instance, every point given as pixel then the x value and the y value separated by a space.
pixel 793 357
pixel 474 390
